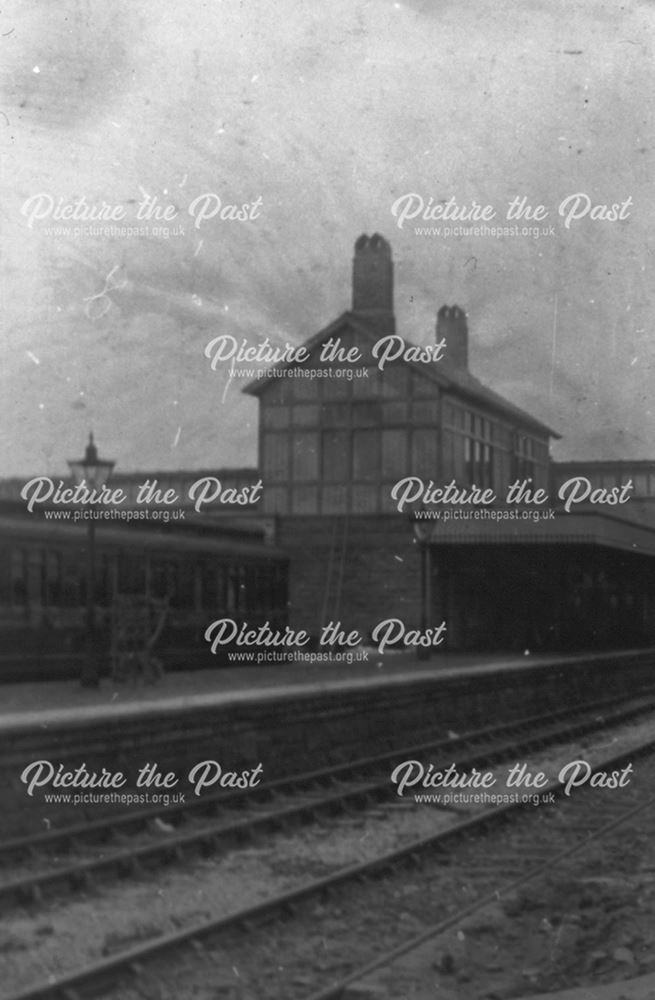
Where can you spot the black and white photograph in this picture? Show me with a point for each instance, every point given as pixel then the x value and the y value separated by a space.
pixel 327 500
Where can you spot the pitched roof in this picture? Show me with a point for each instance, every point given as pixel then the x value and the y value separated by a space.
pixel 443 373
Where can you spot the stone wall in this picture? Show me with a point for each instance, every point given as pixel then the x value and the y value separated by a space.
pixel 380 578
pixel 298 730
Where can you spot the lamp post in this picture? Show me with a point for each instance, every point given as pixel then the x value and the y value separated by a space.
pixel 92 472
pixel 422 534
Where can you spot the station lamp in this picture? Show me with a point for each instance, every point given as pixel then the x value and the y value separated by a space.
pixel 422 534
pixel 93 472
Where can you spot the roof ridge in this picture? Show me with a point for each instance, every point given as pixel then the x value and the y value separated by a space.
pixel 447 374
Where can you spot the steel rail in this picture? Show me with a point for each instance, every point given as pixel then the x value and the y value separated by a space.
pixel 104 974
pixel 29 844
pixel 173 848
pixel 336 990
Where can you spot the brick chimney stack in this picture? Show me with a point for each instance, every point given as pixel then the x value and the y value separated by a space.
pixel 373 281
pixel 452 325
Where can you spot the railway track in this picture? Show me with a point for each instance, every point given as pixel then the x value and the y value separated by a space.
pixel 302 900
pixel 131 843
pixel 551 850
pixel 290 946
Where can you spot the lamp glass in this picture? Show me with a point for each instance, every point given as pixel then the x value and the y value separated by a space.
pixel 91 469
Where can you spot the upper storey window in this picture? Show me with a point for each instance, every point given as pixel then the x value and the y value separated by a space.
pixel 478 450
pixel 524 457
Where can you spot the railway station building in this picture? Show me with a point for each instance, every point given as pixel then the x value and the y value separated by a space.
pixel 356 439
pixel 334 446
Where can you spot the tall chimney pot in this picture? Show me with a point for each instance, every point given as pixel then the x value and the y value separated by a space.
pixel 452 326
pixel 373 279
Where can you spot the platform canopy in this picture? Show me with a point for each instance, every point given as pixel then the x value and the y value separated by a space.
pixel 563 529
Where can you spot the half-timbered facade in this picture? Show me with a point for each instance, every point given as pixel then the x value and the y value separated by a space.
pixel 339 429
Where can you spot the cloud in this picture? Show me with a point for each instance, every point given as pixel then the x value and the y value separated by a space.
pixel 329 113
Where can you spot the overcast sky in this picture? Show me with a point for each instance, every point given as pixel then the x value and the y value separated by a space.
pixel 328 113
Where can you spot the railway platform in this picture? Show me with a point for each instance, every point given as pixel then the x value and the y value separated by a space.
pixel 34 704
pixel 284 719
